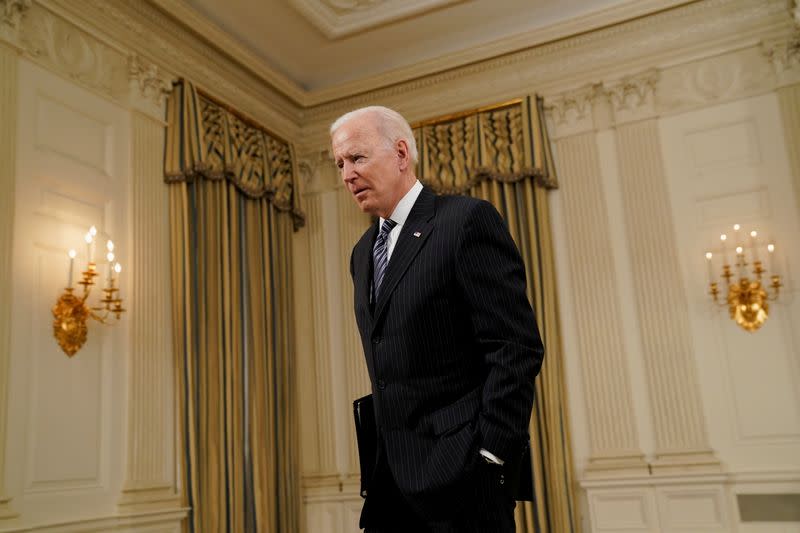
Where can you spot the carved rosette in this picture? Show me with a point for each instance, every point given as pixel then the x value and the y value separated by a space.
pixel 11 12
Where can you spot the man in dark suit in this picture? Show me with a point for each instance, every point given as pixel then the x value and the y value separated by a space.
pixel 449 337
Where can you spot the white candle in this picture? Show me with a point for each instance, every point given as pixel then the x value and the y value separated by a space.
pixel 72 255
pixel 722 239
pixel 117 269
pixel 88 239
pixel 737 238
pixel 92 233
pixel 110 257
pixel 710 267
pixel 771 250
pixel 754 244
pixel 740 260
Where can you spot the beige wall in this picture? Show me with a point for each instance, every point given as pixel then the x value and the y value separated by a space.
pixel 666 130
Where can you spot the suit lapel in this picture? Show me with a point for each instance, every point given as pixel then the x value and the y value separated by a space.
pixel 362 263
pixel 415 232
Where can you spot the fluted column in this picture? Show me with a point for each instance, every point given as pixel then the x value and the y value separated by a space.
pixel 789 98
pixel 785 58
pixel 614 443
pixel 149 472
pixel 681 442
pixel 11 12
pixel 323 392
pixel 352 224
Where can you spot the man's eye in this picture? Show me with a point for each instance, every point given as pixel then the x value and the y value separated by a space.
pixel 340 164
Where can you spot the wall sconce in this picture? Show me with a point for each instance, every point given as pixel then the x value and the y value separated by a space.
pixel 747 299
pixel 72 312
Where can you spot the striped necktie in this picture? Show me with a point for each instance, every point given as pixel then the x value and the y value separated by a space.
pixel 380 254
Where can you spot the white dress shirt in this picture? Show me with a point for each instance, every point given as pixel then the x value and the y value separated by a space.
pixel 400 215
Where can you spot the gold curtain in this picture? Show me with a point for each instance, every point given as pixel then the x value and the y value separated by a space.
pixel 502 154
pixel 233 208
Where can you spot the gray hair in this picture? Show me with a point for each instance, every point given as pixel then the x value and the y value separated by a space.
pixel 390 123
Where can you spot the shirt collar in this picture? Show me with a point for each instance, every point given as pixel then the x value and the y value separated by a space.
pixel 400 213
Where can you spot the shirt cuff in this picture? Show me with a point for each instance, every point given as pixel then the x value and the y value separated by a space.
pixel 491 457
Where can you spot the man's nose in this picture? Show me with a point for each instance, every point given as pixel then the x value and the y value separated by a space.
pixel 347 172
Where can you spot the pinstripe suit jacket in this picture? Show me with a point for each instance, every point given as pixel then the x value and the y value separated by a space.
pixel 451 346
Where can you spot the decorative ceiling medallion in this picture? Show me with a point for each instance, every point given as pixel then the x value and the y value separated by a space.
pixel 340 18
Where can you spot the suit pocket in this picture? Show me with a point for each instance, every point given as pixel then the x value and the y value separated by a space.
pixel 452 417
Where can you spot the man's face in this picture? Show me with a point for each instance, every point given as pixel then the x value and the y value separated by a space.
pixel 371 169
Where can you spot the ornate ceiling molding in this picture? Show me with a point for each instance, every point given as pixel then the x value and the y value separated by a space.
pixel 11 12
pixel 572 112
pixel 703 29
pixel 149 86
pixel 341 18
pixel 107 33
pixel 661 92
pixel 63 47
pixel 784 55
pixel 139 26
pixel 634 97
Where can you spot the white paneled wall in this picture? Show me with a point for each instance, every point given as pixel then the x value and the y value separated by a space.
pixel 65 414
pixel 727 164
pixel 669 167
pixel 89 438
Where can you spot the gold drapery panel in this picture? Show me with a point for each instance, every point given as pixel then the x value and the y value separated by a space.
pixel 234 349
pixel 505 143
pixel 502 155
pixel 205 139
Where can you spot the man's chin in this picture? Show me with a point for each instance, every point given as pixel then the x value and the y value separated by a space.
pixel 366 207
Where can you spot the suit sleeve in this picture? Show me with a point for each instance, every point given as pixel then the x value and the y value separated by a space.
pixel 491 276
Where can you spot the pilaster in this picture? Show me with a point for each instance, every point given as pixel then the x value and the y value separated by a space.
pixel 681 442
pixel 317 191
pixel 614 443
pixel 149 473
pixel 11 13
pixel 789 100
pixel 784 55
pixel 352 224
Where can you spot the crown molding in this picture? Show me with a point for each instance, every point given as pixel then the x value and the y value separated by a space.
pixel 139 26
pixel 11 12
pixel 216 37
pixel 341 18
pixel 618 14
pixel 684 33
pixel 688 33
pixel 189 18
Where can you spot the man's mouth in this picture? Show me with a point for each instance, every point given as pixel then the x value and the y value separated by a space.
pixel 359 191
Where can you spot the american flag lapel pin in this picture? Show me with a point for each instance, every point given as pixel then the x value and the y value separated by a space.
pixel 417 234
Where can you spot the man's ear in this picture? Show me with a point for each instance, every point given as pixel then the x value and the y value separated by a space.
pixel 401 149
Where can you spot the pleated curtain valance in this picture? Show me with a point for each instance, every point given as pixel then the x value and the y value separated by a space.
pixel 505 143
pixel 207 140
